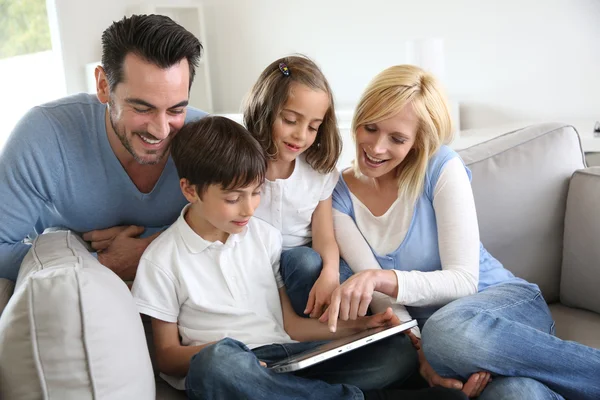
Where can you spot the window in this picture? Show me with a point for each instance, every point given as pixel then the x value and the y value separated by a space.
pixel 30 70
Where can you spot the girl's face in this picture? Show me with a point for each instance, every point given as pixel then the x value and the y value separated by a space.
pixel 382 146
pixel 295 128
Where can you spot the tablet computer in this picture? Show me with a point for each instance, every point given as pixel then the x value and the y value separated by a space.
pixel 337 347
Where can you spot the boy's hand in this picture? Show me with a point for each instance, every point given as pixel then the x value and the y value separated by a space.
pixel 386 319
pixel 382 319
pixel 320 294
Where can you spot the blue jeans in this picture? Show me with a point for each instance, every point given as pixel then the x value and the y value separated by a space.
pixel 508 330
pixel 300 269
pixel 229 370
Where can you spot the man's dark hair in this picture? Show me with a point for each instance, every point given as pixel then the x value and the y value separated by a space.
pixel 155 38
pixel 217 150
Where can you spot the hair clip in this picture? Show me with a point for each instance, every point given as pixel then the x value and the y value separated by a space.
pixel 284 69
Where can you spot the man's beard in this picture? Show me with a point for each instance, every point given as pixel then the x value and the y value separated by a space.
pixel 127 144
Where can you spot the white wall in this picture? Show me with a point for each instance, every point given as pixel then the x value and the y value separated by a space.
pixel 80 24
pixel 505 60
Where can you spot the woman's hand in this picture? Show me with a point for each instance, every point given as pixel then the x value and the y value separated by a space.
pixel 351 299
pixel 319 297
pixel 472 388
pixel 416 342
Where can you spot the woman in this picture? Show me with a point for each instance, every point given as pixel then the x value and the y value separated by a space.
pixel 406 225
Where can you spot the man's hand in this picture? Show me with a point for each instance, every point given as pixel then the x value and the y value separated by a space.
pixel 102 238
pixel 123 252
pixel 472 388
pixel 320 294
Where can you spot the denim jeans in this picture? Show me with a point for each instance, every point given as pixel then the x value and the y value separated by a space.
pixel 229 370
pixel 508 330
pixel 300 269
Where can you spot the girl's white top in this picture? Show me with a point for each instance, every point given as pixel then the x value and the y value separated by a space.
pixel 288 204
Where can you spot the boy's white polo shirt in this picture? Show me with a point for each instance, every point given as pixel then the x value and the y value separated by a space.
pixel 288 204
pixel 214 290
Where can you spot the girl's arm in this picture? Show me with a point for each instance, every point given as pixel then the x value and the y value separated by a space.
pixel 324 243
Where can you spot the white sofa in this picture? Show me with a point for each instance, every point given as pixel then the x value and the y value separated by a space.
pixel 71 331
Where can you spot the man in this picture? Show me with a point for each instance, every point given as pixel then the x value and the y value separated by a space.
pixel 100 165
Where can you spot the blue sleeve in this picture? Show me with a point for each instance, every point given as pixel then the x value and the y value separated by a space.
pixel 30 165
pixel 341 200
pixel 436 166
pixel 193 114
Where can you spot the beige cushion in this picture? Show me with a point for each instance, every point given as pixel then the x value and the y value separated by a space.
pixel 520 183
pixel 580 280
pixel 576 325
pixel 71 329
pixel 164 391
pixel 6 290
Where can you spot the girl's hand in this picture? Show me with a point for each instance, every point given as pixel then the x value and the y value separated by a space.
pixel 320 294
pixel 351 299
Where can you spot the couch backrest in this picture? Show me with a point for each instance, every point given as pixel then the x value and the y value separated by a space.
pixel 520 183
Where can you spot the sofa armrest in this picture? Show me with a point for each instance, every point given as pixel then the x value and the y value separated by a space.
pixel 6 290
pixel 580 276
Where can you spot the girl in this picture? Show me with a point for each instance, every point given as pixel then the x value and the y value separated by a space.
pixel 290 111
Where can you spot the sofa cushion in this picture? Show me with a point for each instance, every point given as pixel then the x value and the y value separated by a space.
pixel 581 254
pixel 6 290
pixel 71 329
pixel 164 391
pixel 576 325
pixel 520 183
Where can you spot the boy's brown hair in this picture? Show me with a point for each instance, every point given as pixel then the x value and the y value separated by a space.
pixel 217 150
pixel 267 98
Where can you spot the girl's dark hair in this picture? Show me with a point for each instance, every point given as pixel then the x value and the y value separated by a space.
pixel 267 98
pixel 217 150
pixel 155 38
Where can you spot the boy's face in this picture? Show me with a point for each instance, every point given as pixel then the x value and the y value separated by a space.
pixel 221 211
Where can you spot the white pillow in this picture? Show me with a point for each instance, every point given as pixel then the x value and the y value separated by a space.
pixel 71 329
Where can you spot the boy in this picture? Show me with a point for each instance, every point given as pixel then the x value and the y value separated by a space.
pixel 213 279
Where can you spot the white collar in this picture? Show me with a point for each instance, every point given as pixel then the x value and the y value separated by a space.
pixel 196 243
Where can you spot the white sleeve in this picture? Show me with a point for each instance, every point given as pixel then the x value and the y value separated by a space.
pixel 275 248
pixel 354 249
pixel 458 239
pixel 359 257
pixel 155 292
pixel 330 182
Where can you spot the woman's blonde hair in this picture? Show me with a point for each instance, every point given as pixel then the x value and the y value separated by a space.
pixel 267 98
pixel 385 96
